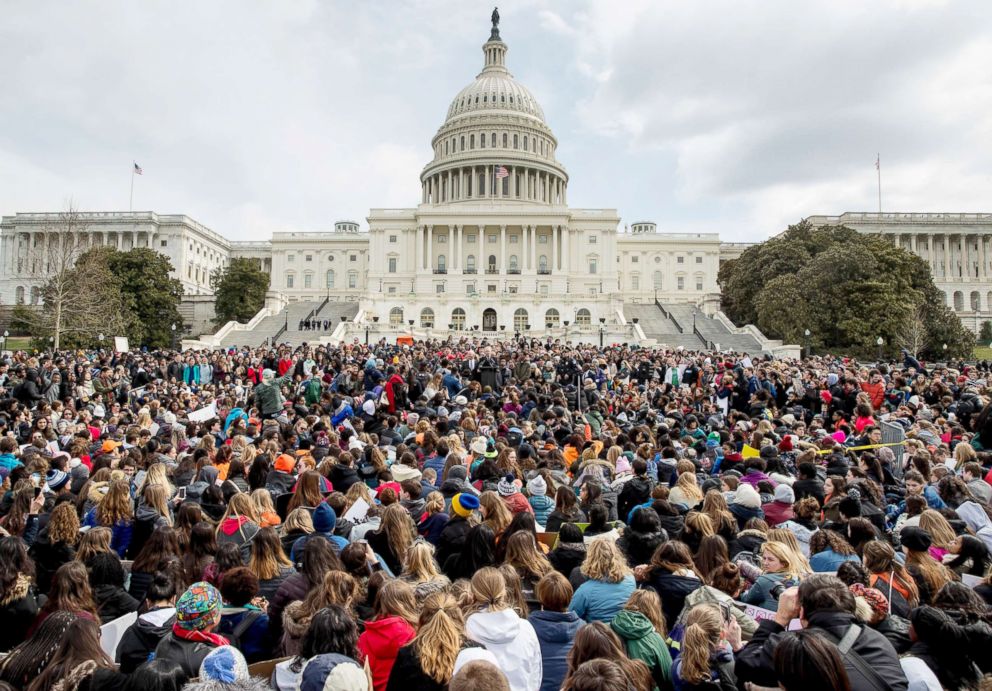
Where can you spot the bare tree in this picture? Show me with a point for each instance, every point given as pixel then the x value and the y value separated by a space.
pixel 913 335
pixel 80 297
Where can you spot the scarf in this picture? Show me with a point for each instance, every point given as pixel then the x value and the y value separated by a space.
pixel 211 639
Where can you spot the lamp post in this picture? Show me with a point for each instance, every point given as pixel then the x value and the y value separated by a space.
pixel 5 335
pixel 101 340
pixel 879 343
pixel 285 326
pixel 806 333
pixel 944 347
pixel 602 330
pixel 173 335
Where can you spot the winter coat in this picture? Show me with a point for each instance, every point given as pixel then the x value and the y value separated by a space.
pixel 761 594
pixel 754 661
pixel 567 556
pixel 557 518
pixel 746 541
pixel 977 520
pixel 143 636
pixel 542 507
pixel 452 538
pixel 146 520
pixel 48 558
pixel 556 635
pixel 254 643
pixel 743 514
pixel 113 601
pixel 809 488
pixel 18 609
pixel 829 561
pixel 643 643
pixel 777 512
pixel 672 590
pixel 240 530
pixel 267 588
pixel 293 588
pixel 380 643
pixel 722 675
pixel 187 654
pixel 379 542
pixel 597 600
pixel 708 594
pixel 514 643
pixel 673 525
pixel 432 527
pixel 640 547
pixel 635 491
pixel 343 477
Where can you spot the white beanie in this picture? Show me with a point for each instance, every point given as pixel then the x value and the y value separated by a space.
pixel 537 486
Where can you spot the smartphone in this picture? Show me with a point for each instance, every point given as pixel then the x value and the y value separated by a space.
pixel 37 492
pixel 727 616
pixel 36 480
pixel 181 493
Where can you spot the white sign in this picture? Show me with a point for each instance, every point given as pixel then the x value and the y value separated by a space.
pixel 203 414
pixel 358 511
pixel 112 632
pixel 759 613
pixel 121 344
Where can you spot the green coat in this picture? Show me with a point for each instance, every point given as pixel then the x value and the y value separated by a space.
pixel 268 397
pixel 643 643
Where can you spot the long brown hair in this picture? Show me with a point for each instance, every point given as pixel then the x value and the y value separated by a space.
pixel 94 541
pixel 116 506
pixel 522 553
pixel 267 556
pixel 880 561
pixel 307 491
pixel 399 529
pixel 597 641
pixel 70 590
pixel 80 644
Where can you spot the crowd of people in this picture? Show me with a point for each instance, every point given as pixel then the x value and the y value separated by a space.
pixel 471 514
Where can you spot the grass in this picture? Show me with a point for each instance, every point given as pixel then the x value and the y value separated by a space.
pixel 983 353
pixel 17 343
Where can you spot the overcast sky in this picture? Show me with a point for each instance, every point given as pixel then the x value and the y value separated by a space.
pixel 722 116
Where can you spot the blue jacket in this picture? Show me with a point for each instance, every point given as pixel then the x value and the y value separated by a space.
pixel 432 528
pixel 121 531
pixel 556 634
pixel 437 463
pixel 828 560
pixel 296 553
pixel 452 384
pixel 543 507
pixel 346 413
pixel 929 493
pixel 8 461
pixel 760 593
pixel 254 643
pixel 600 601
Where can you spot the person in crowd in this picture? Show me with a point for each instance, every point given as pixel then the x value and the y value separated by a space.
pixel 607 583
pixel 597 641
pixel 566 510
pixel 706 658
pixel 642 639
pixel 243 623
pixel 828 550
pixel 75 660
pixel 555 627
pixel 107 576
pixel 332 630
pixel 807 661
pixel 56 544
pixel 269 562
pixel 19 601
pixel 198 613
pixel 781 568
pixel 672 574
pixel 141 639
pixel 394 625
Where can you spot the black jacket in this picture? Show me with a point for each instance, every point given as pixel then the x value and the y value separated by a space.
pixel 112 602
pixel 557 518
pixel 187 654
pixel 673 590
pixel 567 556
pixel 295 587
pixel 343 477
pixel 141 638
pixel 452 538
pixel 754 661
pixel 18 608
pixel 809 488
pixel 407 672
pixel 635 491
pixel 48 558
pixel 640 547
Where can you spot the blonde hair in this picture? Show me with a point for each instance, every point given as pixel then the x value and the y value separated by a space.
pixel 262 499
pixel 239 505
pixel 439 639
pixel 357 491
pixel 298 519
pixel 604 562
pixel 157 474
pixel 420 566
pixel 397 599
pixel 497 514
pixel 115 507
pixel 648 603
pixel 399 530
pixel 488 590
pixel 700 524
pixel 938 527
pixel 689 487
pixel 788 538
pixel 63 524
pixel 791 560
pixel 157 497
pixel 522 553
pixel 703 629
pixel 434 503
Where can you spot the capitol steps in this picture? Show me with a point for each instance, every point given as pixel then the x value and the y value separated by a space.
pixel 269 327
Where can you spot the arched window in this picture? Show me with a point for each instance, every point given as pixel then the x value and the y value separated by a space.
pixel 505 136
pixel 525 142
pixel 441 263
pixel 19 295
pixel 329 279
pixel 470 263
pixel 958 301
pixel 583 317
pixel 513 262
pixel 482 140
pixel 520 320
pixel 551 318
pixel 976 301
pixel 458 319
pixel 492 263
pixel 427 318
pixel 463 143
pixel 492 140
pixel 658 280
pixel 35 295
pixel 308 280
pixel 516 142
pixel 471 141
pixel 396 316
pixel 542 263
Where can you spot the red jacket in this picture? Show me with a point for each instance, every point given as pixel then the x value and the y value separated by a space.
pixel 390 393
pixel 777 512
pixel 379 644
pixel 876 392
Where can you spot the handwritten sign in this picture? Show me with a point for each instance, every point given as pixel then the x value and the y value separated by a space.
pixel 759 613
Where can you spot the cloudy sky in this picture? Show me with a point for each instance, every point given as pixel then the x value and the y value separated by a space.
pixel 723 116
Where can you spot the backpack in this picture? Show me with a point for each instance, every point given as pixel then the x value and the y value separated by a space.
pixel 234 633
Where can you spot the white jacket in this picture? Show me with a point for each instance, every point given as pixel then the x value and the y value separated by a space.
pixel 514 643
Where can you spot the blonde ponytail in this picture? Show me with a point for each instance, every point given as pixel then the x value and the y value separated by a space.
pixel 440 636
pixel 702 632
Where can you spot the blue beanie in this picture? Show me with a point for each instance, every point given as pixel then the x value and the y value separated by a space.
pixel 225 664
pixel 324 518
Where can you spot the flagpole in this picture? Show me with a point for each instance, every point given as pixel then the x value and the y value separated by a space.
pixel 130 201
pixel 878 167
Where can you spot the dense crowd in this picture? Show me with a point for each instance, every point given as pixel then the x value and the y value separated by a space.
pixel 469 514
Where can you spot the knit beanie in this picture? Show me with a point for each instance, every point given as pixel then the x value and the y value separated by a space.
pixel 199 607
pixel 784 494
pixel 747 496
pixel 506 486
pixel 915 539
pixel 463 504
pixel 225 664
pixel 537 486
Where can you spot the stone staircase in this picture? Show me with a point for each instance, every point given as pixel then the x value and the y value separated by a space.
pixel 687 326
pixel 269 327
pixel 656 325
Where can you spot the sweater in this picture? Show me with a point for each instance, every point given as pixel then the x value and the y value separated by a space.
pixel 597 600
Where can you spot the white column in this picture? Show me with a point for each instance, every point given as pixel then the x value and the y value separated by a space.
pixel 962 257
pixel 983 258
pixel 488 192
pixel 566 261
pixel 418 249
pixel 451 249
pixel 912 243
pixel 947 257
pixel 430 249
pixel 553 264
pixel 502 250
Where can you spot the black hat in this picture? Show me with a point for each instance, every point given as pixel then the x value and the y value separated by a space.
pixel 915 539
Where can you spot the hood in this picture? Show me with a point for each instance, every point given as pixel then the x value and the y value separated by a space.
pixel 631 625
pixel 295 622
pixel 97 491
pixel 145 513
pixel 498 628
pixel 157 621
pixel 555 627
pixel 672 524
pixel 387 633
pixel 973 514
pixel 232 524
pixel 324 518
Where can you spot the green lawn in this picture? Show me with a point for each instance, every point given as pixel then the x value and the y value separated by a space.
pixel 983 353
pixel 18 343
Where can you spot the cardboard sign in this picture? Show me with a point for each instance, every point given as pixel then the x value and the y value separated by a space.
pixel 112 632
pixel 120 344
pixel 759 613
pixel 358 511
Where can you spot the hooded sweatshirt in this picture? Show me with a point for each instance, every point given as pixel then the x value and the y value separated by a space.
pixel 379 644
pixel 976 519
pixel 643 643
pixel 240 530
pixel 556 634
pixel 143 636
pixel 514 643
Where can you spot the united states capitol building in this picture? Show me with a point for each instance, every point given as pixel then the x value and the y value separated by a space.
pixel 492 247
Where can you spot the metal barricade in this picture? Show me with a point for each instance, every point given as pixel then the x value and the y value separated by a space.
pixel 891 433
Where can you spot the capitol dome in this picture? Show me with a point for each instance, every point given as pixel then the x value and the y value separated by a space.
pixel 494 143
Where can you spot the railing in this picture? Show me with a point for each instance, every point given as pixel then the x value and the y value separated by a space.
pixel 469 271
pixel 440 271
pixel 277 334
pixel 544 272
pixel 492 272
pixel 663 310
pixel 321 306
pixel 515 272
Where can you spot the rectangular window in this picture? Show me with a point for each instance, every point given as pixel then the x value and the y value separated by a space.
pixel 307 280
pixel 593 239
pixel 392 238
pixel 681 283
pixel 392 265
pixel 592 266
pixel 635 282
pixel 633 259
pixel 699 260
pixel 513 290
pixel 492 239
pixel 542 239
pixel 544 290
pixel 699 284
pixel 470 289
pixel 353 258
pixel 291 258
pixel 352 280
pixel 439 288
pixel 470 239
pixel 593 291
pixel 309 258
pixel 514 239
pixel 442 239
pixel 289 281
pixel 491 288
pixel 680 260
pixel 165 243
pixel 392 290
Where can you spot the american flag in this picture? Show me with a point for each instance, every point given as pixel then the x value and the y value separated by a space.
pixel 501 172
pixel 137 169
